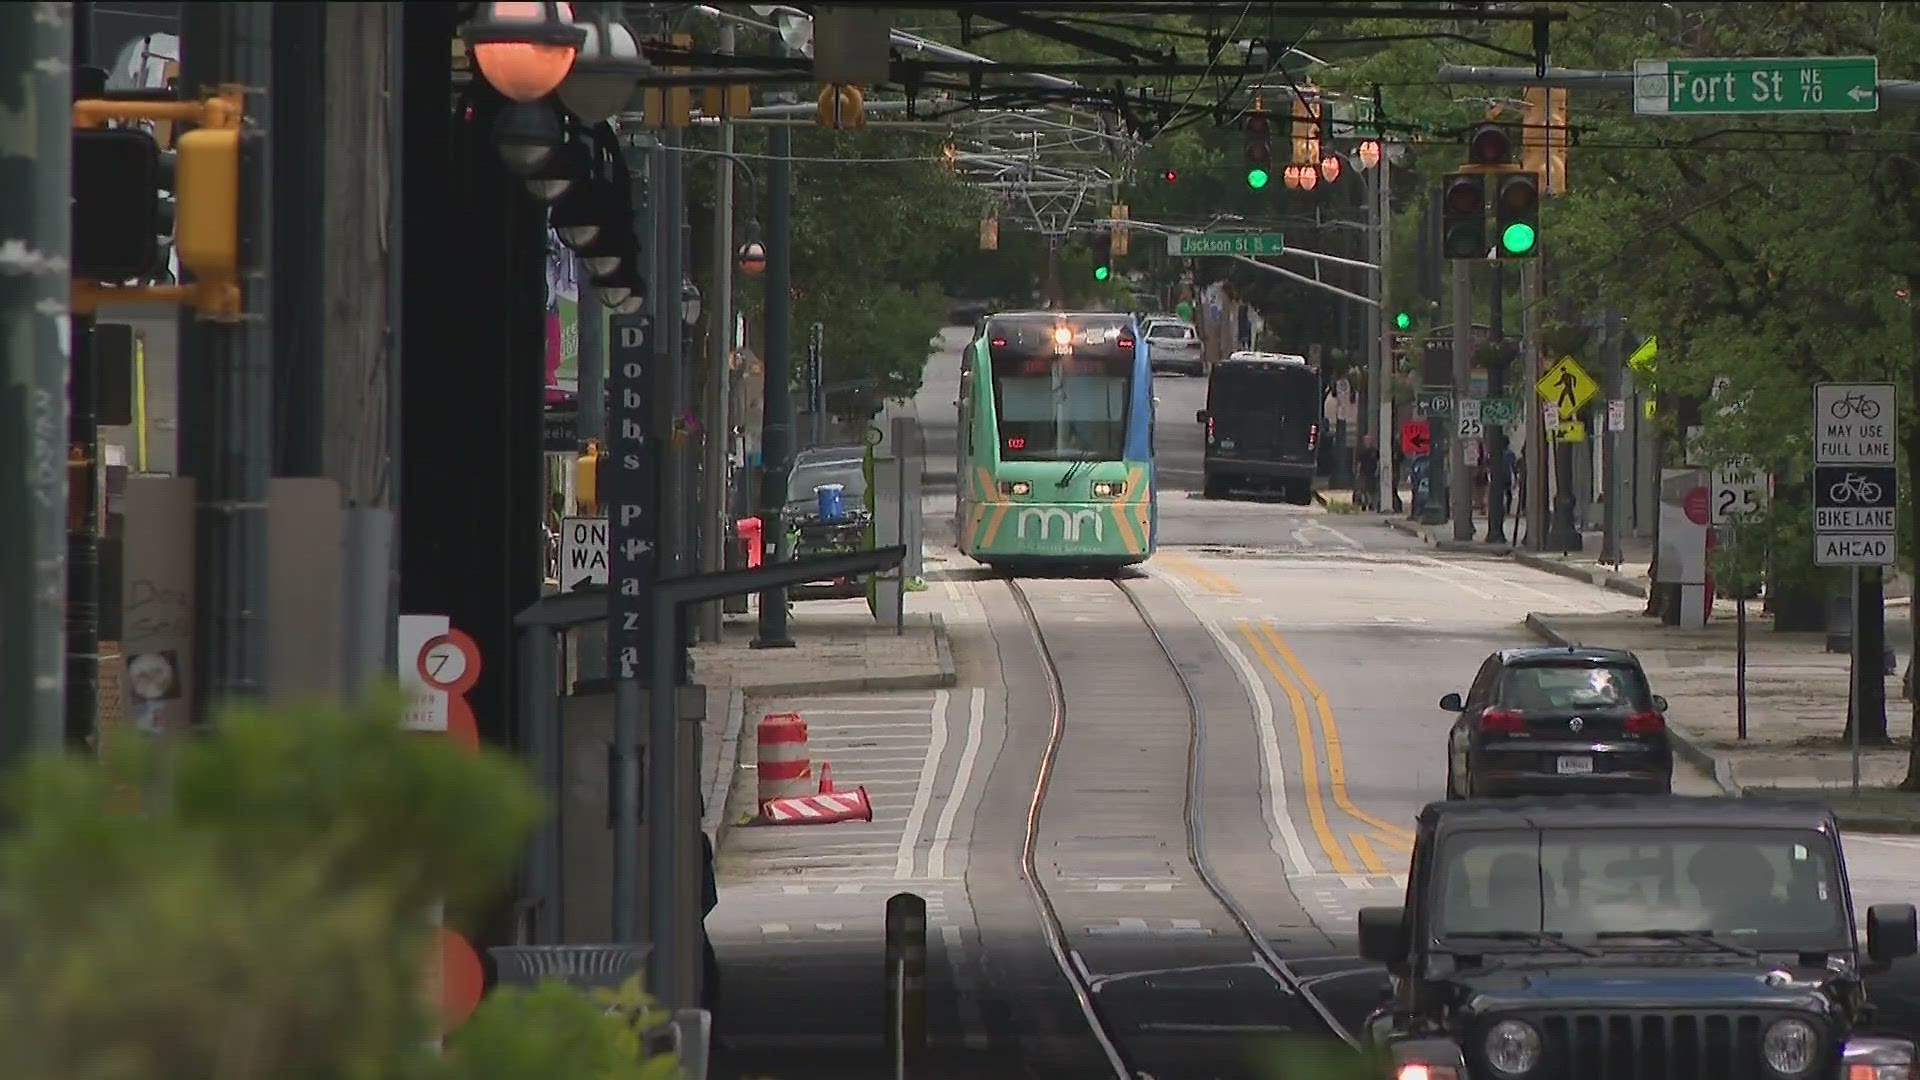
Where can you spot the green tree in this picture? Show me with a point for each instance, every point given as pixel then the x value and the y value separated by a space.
pixel 251 905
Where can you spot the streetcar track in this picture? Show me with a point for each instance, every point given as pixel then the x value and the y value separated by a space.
pixel 1086 985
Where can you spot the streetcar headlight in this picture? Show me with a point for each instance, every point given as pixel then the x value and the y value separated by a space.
pixel 1015 487
pixel 1108 490
pixel 1513 1047
pixel 1790 1047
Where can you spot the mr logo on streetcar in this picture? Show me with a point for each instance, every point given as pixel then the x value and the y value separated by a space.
pixel 1056 442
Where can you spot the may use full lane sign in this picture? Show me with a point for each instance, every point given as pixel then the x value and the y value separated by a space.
pixel 1855 483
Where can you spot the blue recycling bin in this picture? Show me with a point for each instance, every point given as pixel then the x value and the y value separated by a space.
pixel 832 500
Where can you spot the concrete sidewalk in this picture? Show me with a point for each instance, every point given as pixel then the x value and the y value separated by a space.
pixel 838 648
pixel 1629 577
pixel 1796 709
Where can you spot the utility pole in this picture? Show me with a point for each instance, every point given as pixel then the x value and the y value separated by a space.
pixel 1382 380
pixel 35 185
pixel 228 450
pixel 1496 434
pixel 777 416
pixel 1537 463
pixel 1458 473
pixel 717 424
pixel 83 472
pixel 1613 357
pixel 669 333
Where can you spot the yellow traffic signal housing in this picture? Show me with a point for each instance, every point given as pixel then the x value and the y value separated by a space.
pixel 206 189
pixel 586 479
pixel 207 202
pixel 841 105
pixel 1120 243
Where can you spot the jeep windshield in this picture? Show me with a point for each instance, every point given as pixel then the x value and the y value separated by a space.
pixel 1606 887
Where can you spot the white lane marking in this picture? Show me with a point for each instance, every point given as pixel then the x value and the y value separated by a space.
pixel 1465 569
pixel 829 926
pixel 774 928
pixel 1426 572
pixel 943 829
pixel 1350 542
pixel 923 792
pixel 973 1029
pixel 881 712
pixel 1279 818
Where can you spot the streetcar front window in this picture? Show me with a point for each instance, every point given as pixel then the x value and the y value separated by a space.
pixel 1060 401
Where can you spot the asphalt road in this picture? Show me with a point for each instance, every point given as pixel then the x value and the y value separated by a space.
pixel 1318 647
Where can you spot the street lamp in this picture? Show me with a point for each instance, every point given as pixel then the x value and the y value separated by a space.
pixel 607 69
pixel 1369 153
pixel 526 136
pixel 753 258
pixel 689 302
pixel 579 215
pixel 1330 168
pixel 623 290
pixel 522 48
pixel 568 165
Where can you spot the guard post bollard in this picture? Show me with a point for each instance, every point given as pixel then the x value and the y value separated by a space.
pixel 906 980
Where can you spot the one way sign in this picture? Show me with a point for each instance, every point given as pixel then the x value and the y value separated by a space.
pixel 583 552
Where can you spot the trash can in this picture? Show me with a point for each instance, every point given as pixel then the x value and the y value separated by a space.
pixel 832 502
pixel 587 967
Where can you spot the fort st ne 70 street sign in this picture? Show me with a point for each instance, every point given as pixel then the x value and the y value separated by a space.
pixel 1810 84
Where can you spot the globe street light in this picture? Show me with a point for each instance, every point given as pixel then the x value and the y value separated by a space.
pixel 526 136
pixel 689 302
pixel 523 49
pixel 606 71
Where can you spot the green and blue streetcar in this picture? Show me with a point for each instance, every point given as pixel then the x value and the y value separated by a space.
pixel 1056 442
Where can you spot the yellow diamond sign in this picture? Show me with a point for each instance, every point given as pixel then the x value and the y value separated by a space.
pixel 1566 386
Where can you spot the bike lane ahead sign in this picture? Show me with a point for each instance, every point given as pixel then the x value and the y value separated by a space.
pixel 1855 489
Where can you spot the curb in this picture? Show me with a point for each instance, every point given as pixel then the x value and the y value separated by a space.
pixel 1683 744
pixel 1873 823
pixel 719 786
pixel 1601 578
pixel 943 650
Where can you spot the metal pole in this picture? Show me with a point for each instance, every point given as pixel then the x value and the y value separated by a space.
pixel 777 417
pixel 1499 484
pixel 590 416
pixel 718 424
pixel 1856 699
pixel 1739 645
pixel 35 185
pixel 540 728
pixel 1383 354
pixel 232 464
pixel 1536 459
pixel 664 817
pixel 1457 471
pixel 670 333
pixel 83 472
pixel 1613 356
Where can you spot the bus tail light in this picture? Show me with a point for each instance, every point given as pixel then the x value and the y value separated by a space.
pixel 1209 429
pixel 1313 436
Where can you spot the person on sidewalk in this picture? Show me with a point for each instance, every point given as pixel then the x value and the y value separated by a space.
pixel 1366 473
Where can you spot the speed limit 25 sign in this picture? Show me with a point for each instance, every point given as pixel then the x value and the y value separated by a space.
pixel 1739 489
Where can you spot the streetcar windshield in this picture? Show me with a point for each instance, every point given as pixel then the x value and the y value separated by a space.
pixel 1061 385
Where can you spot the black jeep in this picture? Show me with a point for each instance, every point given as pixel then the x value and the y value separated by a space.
pixel 1638 937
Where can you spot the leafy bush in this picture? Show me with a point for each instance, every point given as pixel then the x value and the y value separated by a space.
pixel 252 904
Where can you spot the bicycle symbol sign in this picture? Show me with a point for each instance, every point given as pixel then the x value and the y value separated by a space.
pixel 1854 423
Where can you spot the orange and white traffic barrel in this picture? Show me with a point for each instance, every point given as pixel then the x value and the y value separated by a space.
pixel 785 769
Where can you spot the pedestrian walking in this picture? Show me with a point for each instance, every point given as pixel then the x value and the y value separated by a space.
pixel 1366 480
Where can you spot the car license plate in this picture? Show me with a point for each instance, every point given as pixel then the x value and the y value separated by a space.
pixel 1575 765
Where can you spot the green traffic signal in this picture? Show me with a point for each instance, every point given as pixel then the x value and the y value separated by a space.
pixel 1403 320
pixel 1101 273
pixel 1518 238
pixel 1257 178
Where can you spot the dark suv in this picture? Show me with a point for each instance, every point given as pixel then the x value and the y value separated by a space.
pixel 1626 937
pixel 1549 720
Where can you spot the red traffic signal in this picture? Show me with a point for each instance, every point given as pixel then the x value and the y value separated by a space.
pixel 1171 176
pixel 1489 144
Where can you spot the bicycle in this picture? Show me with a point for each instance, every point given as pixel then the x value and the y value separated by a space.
pixel 1855 488
pixel 1855 404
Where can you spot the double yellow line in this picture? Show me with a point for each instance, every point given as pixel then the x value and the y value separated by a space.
pixel 1213 584
pixel 1293 679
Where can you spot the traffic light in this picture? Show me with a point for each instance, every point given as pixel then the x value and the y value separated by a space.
pixel 1259 134
pixel 1171 176
pixel 116 204
pixel 1463 216
pixel 207 207
pixel 586 478
pixel 1102 255
pixel 1402 320
pixel 841 105
pixel 1489 144
pixel 1516 215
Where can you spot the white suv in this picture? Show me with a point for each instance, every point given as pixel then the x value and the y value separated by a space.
pixel 1173 345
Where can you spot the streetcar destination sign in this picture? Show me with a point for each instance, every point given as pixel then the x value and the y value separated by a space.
pixel 1188 244
pixel 1713 87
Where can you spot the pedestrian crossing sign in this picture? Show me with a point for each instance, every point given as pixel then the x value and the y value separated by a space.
pixel 1567 386
pixel 1569 431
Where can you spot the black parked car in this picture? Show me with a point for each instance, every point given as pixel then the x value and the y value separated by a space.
pixel 1544 721
pixel 1631 937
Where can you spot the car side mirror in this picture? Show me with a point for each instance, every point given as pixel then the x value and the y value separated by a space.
pixel 1891 933
pixel 1452 703
pixel 1659 703
pixel 1200 416
pixel 1383 934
